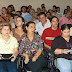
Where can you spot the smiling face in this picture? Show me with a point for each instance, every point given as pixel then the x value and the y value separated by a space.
pixel 19 22
pixel 42 18
pixel 31 28
pixel 5 30
pixel 66 33
pixel 4 11
pixel 54 22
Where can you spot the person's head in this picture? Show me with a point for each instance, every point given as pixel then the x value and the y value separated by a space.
pixel 54 22
pixel 43 9
pixel 42 17
pixel 65 29
pixel 42 5
pixel 29 7
pixel 32 11
pixel 5 28
pixel 30 27
pixel 23 9
pixel 50 10
pixel 9 9
pixel 20 21
pixel 68 8
pixel 48 15
pixel 14 18
pixel 19 13
pixel 12 6
pixel 54 7
pixel 38 10
pixel 4 10
pixel 68 14
pixel 35 15
pixel 65 11
pixel 58 9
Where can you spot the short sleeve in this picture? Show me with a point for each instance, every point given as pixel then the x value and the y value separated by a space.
pixel 54 45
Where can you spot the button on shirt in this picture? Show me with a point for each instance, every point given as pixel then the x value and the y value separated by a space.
pixel 40 28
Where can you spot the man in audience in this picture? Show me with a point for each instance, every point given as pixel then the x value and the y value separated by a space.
pixel 43 24
pixel 68 8
pixel 58 11
pixel 66 19
pixel 4 16
pixel 50 33
pixel 55 12
pixel 25 15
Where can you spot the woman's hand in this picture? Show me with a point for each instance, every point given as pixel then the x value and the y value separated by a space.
pixel 34 58
pixel 26 58
pixel 64 51
pixel 61 51
pixel 13 59
pixel 71 52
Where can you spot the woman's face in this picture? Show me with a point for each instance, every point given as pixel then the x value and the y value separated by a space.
pixel 19 22
pixel 66 32
pixel 5 30
pixel 9 9
pixel 30 28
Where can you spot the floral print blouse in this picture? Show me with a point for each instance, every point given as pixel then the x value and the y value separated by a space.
pixel 26 46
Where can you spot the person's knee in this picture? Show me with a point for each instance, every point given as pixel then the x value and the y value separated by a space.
pixel 63 65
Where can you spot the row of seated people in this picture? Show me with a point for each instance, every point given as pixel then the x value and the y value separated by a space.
pixel 32 16
pixel 31 43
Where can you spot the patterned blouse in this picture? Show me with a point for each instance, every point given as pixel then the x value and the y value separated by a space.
pixel 26 46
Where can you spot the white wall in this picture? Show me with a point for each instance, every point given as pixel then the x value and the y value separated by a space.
pixel 36 3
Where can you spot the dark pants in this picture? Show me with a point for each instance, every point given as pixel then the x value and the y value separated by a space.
pixel 8 66
pixel 38 65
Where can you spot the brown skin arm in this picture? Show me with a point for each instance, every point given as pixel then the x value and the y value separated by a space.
pixel 36 55
pixel 15 54
pixel 61 51
pixel 26 58
pixel 47 46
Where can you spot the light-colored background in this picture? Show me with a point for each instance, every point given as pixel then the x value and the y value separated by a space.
pixel 36 3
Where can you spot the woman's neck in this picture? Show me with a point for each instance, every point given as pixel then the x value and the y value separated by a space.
pixel 6 37
pixel 66 38
pixel 30 35
pixel 20 28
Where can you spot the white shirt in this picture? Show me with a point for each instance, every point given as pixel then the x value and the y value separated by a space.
pixel 40 28
pixel 36 21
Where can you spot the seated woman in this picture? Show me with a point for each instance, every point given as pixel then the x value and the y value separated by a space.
pixel 18 32
pixel 60 47
pixel 8 45
pixel 31 47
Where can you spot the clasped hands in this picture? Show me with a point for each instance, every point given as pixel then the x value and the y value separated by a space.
pixel 27 59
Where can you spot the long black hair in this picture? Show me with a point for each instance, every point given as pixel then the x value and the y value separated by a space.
pixel 23 26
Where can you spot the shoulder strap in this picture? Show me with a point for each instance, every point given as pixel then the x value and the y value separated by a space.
pixel 3 18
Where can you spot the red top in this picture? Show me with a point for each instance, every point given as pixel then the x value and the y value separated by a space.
pixel 49 35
